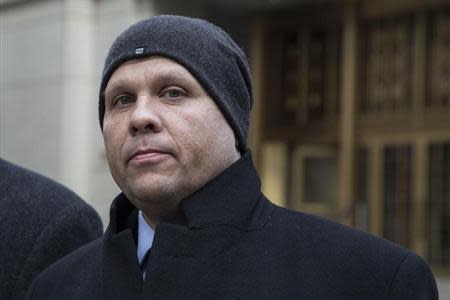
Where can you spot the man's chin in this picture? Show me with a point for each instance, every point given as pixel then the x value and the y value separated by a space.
pixel 151 195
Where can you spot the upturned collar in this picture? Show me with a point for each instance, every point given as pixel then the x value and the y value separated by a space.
pixel 229 198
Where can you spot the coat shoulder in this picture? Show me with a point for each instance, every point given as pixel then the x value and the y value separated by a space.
pixel 348 259
pixel 88 256
pixel 41 212
pixel 321 231
pixel 26 189
pixel 81 268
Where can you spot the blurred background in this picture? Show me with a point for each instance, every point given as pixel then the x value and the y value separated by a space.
pixel 351 115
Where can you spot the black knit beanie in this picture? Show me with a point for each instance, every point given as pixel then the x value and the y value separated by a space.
pixel 204 49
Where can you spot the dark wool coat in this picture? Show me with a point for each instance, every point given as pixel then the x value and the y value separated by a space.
pixel 40 222
pixel 237 245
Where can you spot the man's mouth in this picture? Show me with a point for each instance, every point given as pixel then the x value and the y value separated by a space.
pixel 148 156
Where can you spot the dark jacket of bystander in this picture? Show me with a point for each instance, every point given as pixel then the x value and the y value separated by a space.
pixel 40 221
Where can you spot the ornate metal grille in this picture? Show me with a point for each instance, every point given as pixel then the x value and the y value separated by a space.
pixel 388 57
pixel 439 60
pixel 303 76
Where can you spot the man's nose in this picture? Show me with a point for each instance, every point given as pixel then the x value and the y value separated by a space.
pixel 145 117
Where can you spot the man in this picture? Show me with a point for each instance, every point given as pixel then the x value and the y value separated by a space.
pixel 174 107
pixel 41 221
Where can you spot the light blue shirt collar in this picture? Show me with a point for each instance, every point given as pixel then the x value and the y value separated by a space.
pixel 145 237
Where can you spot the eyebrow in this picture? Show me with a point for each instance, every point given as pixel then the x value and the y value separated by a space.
pixel 118 85
pixel 175 76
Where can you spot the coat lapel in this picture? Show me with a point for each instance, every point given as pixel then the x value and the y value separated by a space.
pixel 121 273
pixel 122 277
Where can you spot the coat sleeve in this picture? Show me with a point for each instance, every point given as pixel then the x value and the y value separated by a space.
pixel 70 228
pixel 413 280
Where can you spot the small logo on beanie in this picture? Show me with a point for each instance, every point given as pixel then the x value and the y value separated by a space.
pixel 139 50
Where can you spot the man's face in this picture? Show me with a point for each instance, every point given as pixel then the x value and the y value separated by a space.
pixel 164 136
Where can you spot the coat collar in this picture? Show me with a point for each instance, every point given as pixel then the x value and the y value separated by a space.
pixel 122 216
pixel 233 198
pixel 229 198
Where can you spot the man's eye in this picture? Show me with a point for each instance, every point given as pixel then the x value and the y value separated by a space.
pixel 122 100
pixel 174 93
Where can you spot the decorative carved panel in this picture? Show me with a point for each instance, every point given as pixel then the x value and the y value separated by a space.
pixel 291 60
pixel 439 60
pixel 386 62
pixel 315 97
pixel 302 76
pixel 281 91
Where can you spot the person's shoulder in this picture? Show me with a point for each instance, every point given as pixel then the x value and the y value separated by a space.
pixel 35 198
pixel 23 187
pixel 85 256
pixel 413 280
pixel 334 246
pixel 36 202
pixel 81 265
pixel 322 230
pixel 42 221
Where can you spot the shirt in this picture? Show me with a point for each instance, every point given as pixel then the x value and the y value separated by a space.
pixel 145 237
